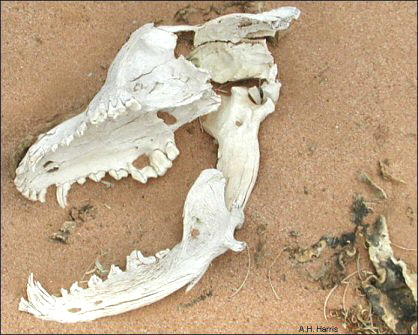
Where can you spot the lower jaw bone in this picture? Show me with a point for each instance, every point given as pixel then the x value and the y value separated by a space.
pixel 208 228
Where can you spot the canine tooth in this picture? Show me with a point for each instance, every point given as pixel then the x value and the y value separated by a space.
pixel 42 195
pixel 94 281
pixel 160 162
pixel 137 174
pixel 150 172
pixel 64 292
pixel 62 191
pixel 75 288
pixel 19 188
pixel 32 195
pixel 172 151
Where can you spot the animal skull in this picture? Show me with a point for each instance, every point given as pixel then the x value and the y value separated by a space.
pixel 121 122
pixel 215 203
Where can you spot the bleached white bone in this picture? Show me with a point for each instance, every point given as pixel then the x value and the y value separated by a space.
pixel 227 61
pixel 208 232
pixel 236 27
pixel 235 127
pixel 121 122
pixel 212 210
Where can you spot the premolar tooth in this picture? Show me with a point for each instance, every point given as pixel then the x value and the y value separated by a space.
pixel 75 288
pixel 150 172
pixel 172 151
pixel 122 173
pixel 97 176
pixel 114 174
pixel 81 180
pixel 32 195
pixel 64 292
pixel 160 162
pixel 114 270
pixel 62 191
pixel 42 195
pixel 69 139
pixel 94 281
pixel 137 174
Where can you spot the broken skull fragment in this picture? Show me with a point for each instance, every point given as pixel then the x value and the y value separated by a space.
pixel 121 124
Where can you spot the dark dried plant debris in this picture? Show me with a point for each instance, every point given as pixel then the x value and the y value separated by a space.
pixel 360 210
pixel 393 290
pixel 77 216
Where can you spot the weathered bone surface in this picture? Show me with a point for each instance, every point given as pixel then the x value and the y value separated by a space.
pixel 214 206
pixel 236 27
pixel 208 232
pixel 227 61
pixel 394 293
pixel 235 127
pixel 121 122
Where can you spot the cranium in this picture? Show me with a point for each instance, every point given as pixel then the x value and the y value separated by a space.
pixel 121 122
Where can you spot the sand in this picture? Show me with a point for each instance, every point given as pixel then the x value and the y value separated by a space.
pixel 348 100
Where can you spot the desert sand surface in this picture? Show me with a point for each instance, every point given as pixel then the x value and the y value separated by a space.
pixel 348 99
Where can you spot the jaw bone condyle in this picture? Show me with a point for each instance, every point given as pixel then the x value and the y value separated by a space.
pixel 145 78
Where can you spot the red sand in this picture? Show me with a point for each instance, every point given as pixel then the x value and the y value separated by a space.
pixel 349 99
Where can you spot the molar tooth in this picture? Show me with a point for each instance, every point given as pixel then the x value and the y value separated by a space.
pixel 172 151
pixel 81 180
pixel 62 191
pixel 32 196
pixel 42 195
pixel 137 174
pixel 150 172
pixel 160 162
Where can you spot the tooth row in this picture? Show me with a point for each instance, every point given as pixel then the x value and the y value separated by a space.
pixel 32 194
pixel 159 164
pixel 102 112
